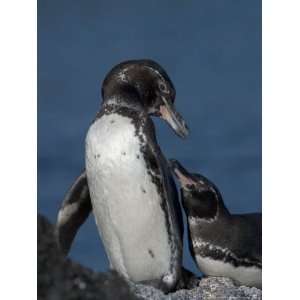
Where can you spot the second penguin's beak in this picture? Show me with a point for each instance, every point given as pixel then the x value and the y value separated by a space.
pixel 173 118
pixel 185 178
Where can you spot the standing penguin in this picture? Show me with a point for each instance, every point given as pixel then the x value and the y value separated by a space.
pixel 221 243
pixel 127 182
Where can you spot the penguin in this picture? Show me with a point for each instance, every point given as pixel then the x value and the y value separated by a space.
pixel 127 182
pixel 221 243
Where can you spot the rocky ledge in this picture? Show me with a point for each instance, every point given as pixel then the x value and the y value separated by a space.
pixel 60 278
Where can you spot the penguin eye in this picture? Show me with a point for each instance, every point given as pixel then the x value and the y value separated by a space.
pixel 162 87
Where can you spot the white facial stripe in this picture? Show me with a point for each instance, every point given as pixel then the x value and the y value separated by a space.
pixel 155 71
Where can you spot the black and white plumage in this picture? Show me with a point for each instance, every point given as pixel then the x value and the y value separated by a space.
pixel 130 187
pixel 221 243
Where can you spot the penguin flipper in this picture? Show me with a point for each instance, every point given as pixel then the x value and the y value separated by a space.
pixel 74 210
pixel 177 205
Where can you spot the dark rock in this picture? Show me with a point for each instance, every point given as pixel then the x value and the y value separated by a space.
pixel 60 278
pixel 210 288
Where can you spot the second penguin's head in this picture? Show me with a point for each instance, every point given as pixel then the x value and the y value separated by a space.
pixel 200 197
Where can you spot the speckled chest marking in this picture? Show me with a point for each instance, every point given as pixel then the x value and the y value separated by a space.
pixel 214 260
pixel 126 202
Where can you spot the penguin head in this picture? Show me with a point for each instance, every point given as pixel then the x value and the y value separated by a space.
pixel 200 197
pixel 144 85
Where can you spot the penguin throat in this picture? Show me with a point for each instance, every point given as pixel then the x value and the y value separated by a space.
pixel 123 95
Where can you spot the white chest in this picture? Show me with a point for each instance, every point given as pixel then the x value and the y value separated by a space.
pixel 250 276
pixel 125 201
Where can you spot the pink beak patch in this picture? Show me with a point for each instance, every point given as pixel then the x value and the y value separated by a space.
pixel 185 181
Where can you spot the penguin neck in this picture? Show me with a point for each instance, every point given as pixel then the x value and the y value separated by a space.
pixel 123 95
pixel 205 206
pixel 126 102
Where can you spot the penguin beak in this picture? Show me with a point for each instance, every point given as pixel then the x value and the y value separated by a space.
pixel 182 174
pixel 173 118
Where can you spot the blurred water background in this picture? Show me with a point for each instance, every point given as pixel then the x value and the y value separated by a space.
pixel 212 51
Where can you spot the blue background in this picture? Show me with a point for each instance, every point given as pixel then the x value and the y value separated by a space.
pixel 212 51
